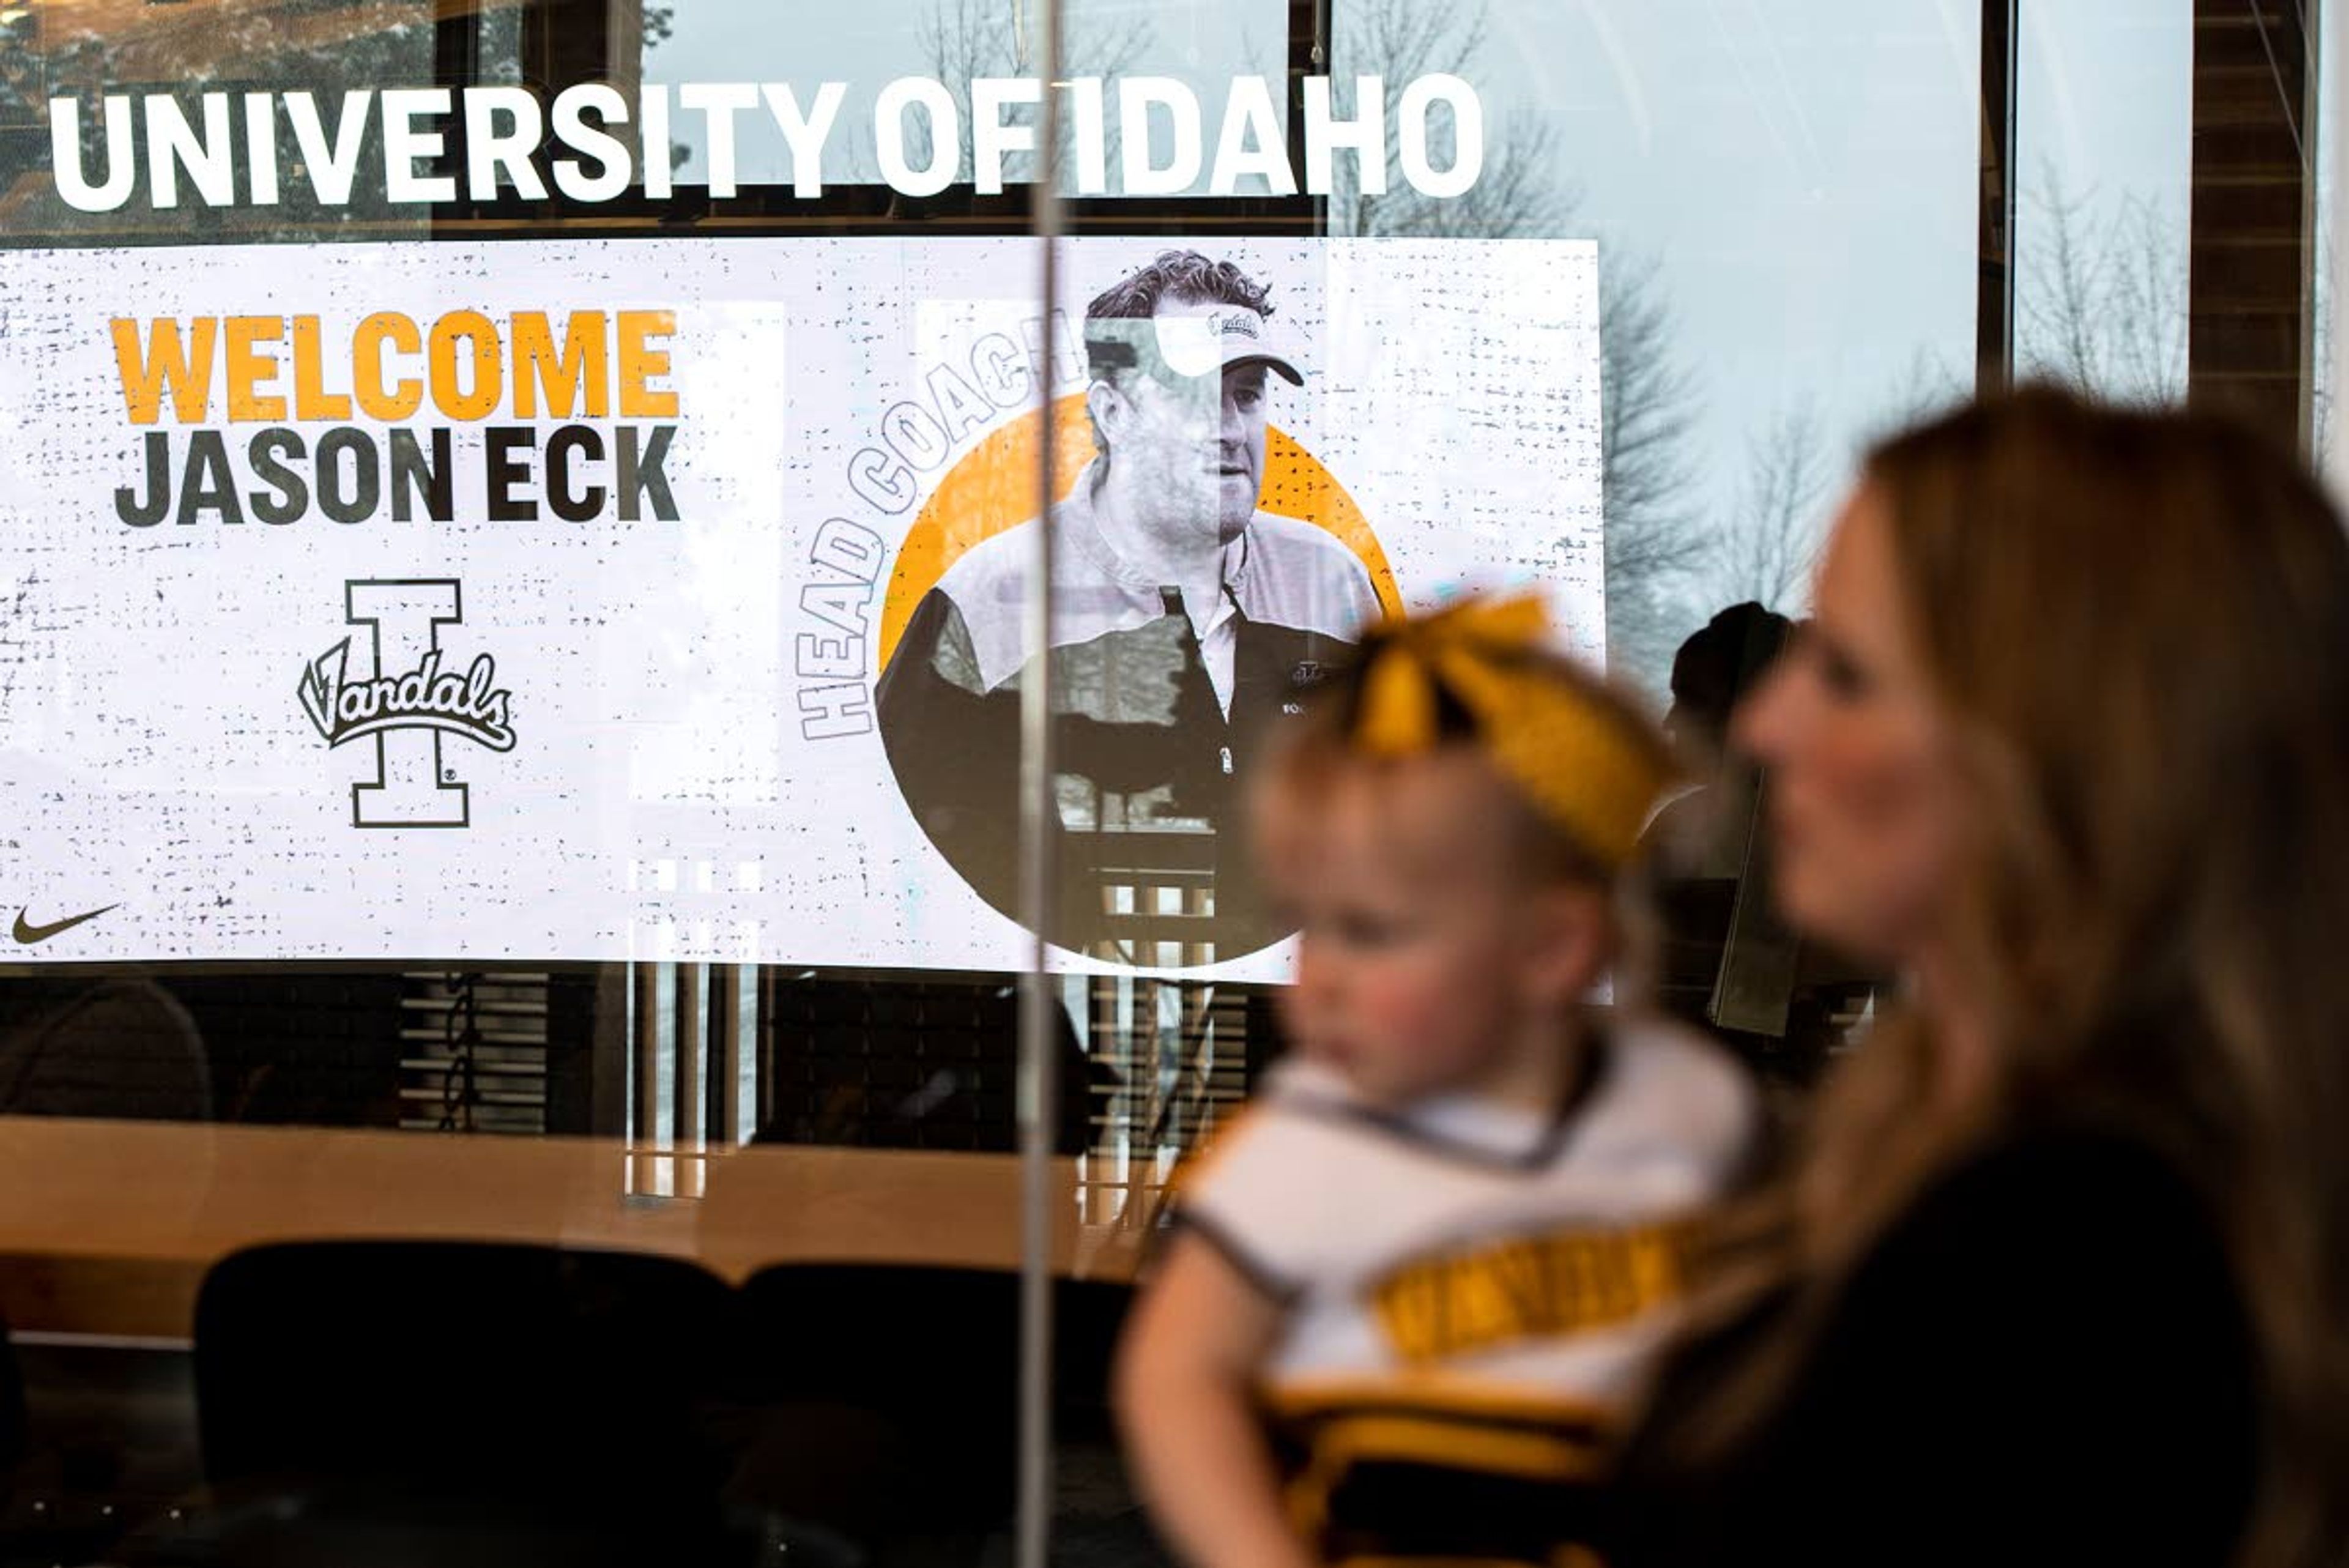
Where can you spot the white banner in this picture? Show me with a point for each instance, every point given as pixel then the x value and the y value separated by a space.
pixel 528 601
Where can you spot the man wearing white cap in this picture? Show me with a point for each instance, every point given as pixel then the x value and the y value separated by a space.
pixel 1185 621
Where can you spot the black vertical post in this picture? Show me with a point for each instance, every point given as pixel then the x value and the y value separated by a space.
pixel 2249 297
pixel 1994 276
pixel 1309 56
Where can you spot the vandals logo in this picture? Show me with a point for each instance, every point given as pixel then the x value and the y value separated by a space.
pixel 407 696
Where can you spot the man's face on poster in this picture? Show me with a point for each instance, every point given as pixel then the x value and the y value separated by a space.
pixel 1194 443
pixel 1239 445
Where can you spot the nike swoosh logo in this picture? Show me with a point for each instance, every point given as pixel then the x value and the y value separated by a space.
pixel 27 933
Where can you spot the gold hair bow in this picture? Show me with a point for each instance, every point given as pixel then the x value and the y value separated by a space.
pixel 1591 768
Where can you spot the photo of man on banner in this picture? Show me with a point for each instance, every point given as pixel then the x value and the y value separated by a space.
pixel 1185 623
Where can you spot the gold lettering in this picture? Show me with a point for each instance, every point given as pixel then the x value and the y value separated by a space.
pixel 311 398
pixel 183 369
pixel 250 368
pixel 561 374
pixel 1544 1287
pixel 375 400
pixel 640 362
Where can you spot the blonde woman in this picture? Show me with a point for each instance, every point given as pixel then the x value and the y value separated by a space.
pixel 2062 1276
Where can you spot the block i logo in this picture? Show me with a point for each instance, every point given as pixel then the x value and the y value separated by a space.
pixel 398 688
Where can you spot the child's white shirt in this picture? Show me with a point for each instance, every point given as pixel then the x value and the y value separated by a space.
pixel 1470 1285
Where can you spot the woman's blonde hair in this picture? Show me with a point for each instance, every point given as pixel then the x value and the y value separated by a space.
pixel 2138 625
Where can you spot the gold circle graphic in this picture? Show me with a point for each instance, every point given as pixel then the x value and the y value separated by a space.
pixel 994 488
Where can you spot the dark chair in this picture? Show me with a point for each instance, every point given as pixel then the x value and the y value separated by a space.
pixel 107 1048
pixel 888 1395
pixel 13 1423
pixel 542 1404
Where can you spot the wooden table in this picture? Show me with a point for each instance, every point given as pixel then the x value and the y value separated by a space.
pixel 107 1228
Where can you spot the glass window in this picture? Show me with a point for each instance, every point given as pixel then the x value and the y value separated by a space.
pixel 1783 213
pixel 2104 162
pixel 516 619
pixel 1171 63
